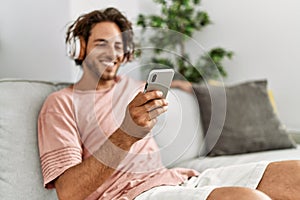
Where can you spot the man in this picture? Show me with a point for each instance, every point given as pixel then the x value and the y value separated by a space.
pixel 95 136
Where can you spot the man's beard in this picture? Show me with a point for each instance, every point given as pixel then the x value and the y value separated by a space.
pixel 107 77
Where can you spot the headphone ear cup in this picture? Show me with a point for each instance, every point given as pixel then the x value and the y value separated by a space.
pixel 74 48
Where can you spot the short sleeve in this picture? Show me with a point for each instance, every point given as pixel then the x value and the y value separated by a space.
pixel 59 143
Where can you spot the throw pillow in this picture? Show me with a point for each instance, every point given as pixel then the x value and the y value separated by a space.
pixel 245 122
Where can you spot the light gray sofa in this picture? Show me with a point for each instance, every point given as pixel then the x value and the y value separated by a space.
pixel 20 173
pixel 180 138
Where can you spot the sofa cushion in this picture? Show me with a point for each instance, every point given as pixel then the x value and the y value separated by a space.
pixel 20 172
pixel 178 132
pixel 250 125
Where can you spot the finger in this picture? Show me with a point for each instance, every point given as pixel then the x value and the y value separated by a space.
pixel 155 113
pixel 148 107
pixel 140 116
pixel 143 98
pixel 154 104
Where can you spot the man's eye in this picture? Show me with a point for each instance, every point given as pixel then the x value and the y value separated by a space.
pixel 101 44
pixel 119 47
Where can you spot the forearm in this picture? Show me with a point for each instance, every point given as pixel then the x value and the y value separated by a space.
pixel 80 181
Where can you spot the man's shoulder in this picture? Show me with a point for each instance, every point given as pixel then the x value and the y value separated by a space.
pixel 60 94
pixel 62 97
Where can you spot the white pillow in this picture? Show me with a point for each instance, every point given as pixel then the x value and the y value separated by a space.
pixel 178 131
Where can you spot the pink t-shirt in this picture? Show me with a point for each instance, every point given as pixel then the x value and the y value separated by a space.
pixel 73 124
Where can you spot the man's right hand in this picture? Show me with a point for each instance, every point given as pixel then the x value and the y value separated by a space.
pixel 141 113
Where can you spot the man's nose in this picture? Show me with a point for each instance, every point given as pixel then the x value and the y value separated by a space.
pixel 112 53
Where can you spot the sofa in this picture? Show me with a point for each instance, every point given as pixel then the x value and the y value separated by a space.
pixel 179 134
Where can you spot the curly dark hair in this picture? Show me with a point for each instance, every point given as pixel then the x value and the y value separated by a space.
pixel 83 25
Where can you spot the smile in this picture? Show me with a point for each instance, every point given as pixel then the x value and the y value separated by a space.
pixel 108 64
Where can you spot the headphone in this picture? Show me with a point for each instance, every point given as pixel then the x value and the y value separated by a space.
pixel 75 48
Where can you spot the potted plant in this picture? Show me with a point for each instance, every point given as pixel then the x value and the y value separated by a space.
pixel 178 21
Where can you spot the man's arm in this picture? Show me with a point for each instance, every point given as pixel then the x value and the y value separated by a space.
pixel 80 181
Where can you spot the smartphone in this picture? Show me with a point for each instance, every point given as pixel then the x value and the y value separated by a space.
pixel 159 79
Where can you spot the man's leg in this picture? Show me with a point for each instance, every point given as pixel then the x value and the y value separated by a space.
pixel 238 193
pixel 281 180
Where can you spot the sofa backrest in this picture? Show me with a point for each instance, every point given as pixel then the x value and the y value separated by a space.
pixel 20 172
pixel 177 133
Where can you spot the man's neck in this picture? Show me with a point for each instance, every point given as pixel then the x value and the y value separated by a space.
pixel 91 84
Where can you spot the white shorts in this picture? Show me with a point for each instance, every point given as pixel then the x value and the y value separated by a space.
pixel 244 175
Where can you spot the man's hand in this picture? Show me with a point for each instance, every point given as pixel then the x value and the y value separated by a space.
pixel 141 113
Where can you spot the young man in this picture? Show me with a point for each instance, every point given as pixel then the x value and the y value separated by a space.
pixel 95 136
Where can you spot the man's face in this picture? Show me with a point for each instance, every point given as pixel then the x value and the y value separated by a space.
pixel 104 51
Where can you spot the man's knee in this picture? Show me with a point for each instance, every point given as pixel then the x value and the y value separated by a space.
pixel 281 180
pixel 240 193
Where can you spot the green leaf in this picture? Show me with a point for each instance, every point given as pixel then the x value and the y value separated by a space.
pixel 141 21
pixel 163 2
pixel 217 54
pixel 183 16
pixel 163 62
pixel 203 18
pixel 196 2
pixel 156 21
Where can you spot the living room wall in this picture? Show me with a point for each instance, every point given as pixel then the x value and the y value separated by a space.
pixel 263 34
pixel 32 39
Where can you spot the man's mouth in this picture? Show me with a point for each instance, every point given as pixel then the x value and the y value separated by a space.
pixel 108 64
